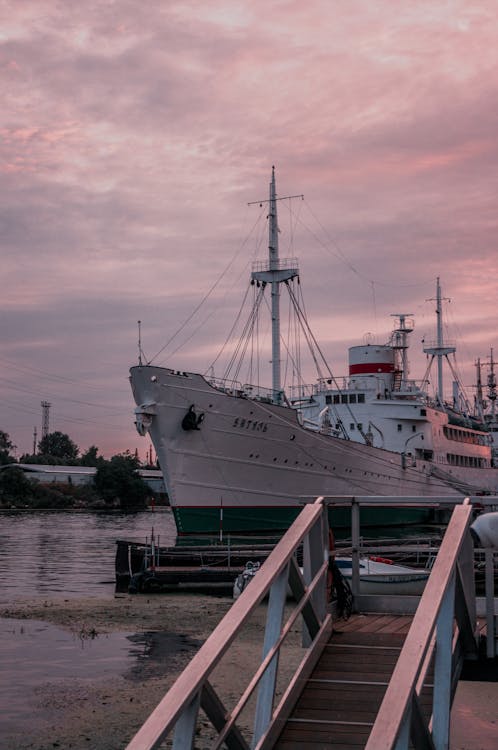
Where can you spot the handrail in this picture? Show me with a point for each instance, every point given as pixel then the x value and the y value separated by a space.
pixel 447 595
pixel 179 707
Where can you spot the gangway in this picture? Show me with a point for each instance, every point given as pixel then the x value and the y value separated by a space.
pixel 436 633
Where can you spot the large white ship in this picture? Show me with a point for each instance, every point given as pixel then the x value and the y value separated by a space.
pixel 243 459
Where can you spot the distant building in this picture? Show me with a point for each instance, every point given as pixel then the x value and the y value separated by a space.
pixel 79 475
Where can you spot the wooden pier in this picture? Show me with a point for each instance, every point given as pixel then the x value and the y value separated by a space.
pixel 340 701
pixel 382 680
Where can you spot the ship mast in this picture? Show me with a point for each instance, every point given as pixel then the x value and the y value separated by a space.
pixel 439 349
pixel 492 387
pixel 400 346
pixel 276 272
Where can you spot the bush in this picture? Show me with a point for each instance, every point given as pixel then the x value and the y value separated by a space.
pixel 118 481
pixel 14 486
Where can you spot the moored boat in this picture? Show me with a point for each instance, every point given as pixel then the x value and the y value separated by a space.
pixel 377 575
pixel 243 459
pixel 383 576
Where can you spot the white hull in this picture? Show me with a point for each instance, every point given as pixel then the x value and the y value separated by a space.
pixel 252 454
pixel 384 578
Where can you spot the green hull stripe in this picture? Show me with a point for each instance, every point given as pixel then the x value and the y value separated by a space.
pixel 245 520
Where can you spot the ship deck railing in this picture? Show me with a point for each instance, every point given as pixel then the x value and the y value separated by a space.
pixel 238 390
pixel 443 631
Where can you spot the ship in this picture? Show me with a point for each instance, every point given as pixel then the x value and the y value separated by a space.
pixel 240 459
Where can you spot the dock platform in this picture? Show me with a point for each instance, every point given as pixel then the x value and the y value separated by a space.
pixel 340 701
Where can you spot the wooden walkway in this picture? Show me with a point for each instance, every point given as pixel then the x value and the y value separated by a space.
pixel 340 701
pixel 374 681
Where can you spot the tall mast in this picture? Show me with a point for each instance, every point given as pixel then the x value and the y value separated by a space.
pixel 439 349
pixel 275 291
pixel 492 386
pixel 479 397
pixel 275 272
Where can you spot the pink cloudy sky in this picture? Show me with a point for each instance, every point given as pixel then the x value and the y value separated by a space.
pixel 134 134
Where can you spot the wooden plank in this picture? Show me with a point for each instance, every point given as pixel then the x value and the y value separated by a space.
pixel 374 639
pixel 304 735
pixel 339 703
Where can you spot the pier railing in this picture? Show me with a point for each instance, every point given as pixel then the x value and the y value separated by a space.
pixel 178 711
pixel 487 557
pixel 442 633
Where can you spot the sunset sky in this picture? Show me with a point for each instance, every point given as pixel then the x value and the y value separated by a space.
pixel 134 134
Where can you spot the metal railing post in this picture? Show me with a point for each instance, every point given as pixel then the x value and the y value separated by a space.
pixel 355 551
pixel 183 738
pixel 313 558
pixel 442 669
pixel 490 605
pixel 403 740
pixel 266 690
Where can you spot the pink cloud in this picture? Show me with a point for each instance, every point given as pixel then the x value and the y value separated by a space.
pixel 130 143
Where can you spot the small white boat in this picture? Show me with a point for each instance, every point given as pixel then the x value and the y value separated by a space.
pixel 379 575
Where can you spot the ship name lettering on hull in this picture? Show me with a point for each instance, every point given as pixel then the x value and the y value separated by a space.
pixel 250 424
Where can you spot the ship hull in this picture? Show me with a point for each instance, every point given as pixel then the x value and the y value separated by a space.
pixel 249 520
pixel 244 465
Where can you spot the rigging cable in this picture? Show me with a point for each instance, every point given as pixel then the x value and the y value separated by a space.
pixel 209 292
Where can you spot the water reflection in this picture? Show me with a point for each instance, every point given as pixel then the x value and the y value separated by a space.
pixel 33 652
pixel 38 658
pixel 52 553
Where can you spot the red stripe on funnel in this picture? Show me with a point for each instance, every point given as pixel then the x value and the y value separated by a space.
pixel 371 367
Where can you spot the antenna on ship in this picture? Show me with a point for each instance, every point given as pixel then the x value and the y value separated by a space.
pixel 492 385
pixel 139 342
pixel 479 400
pixel 275 272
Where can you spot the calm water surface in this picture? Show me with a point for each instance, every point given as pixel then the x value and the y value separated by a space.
pixel 63 553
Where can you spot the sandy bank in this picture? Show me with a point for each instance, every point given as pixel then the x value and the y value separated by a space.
pixel 103 714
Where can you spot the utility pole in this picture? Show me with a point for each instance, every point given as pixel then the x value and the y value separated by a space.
pixel 35 434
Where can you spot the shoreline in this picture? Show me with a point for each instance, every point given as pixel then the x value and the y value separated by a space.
pixel 104 713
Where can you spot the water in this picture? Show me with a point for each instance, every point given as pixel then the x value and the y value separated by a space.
pixel 63 553
pixel 67 554
pixel 33 652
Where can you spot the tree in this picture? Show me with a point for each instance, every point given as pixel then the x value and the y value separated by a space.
pixel 91 458
pixel 58 445
pixel 14 485
pixel 118 480
pixel 6 446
